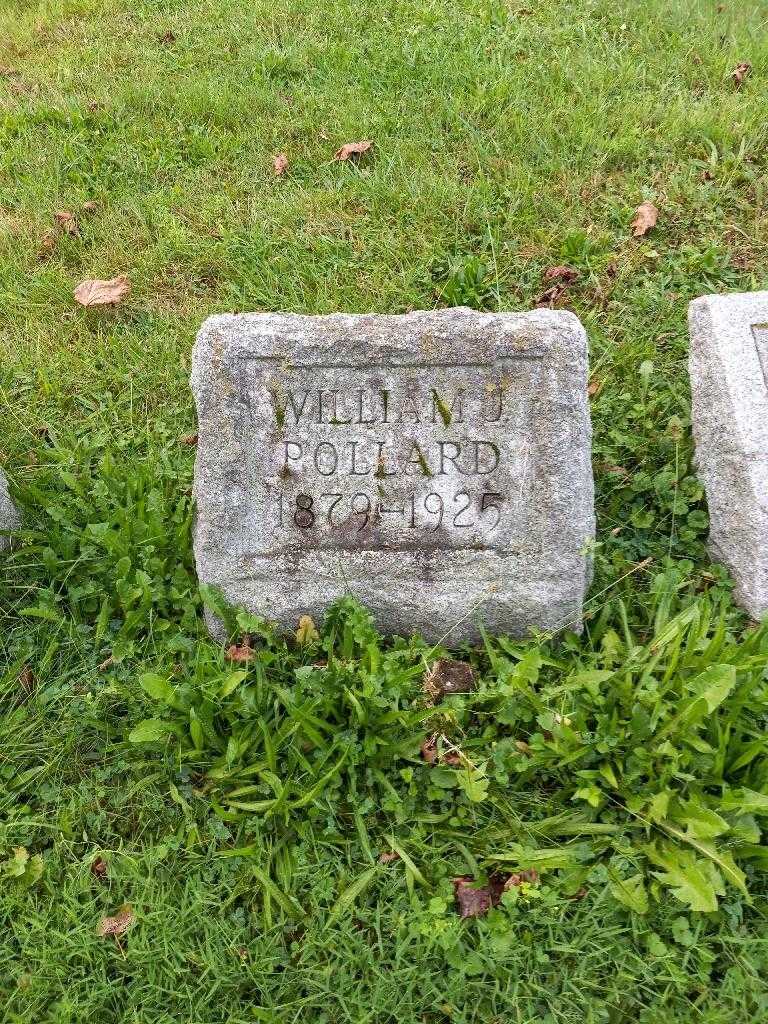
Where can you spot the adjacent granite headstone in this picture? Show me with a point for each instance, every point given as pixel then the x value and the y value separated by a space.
pixel 435 465
pixel 9 517
pixel 729 383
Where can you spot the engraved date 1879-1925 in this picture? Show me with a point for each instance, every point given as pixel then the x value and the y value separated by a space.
pixel 463 510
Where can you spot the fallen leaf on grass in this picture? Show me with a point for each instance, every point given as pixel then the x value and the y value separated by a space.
pixel 530 875
pixel 307 631
pixel 118 924
pixel 280 164
pixel 242 653
pixel 352 149
pixel 646 216
pixel 562 273
pixel 27 679
pixel 551 296
pixel 47 245
pixel 103 293
pixel 429 749
pixel 388 856
pixel 67 222
pixel 99 868
pixel 474 901
pixel 430 754
pixel 741 73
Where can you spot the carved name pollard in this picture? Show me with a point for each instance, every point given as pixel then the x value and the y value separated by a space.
pixel 405 464
pixel 369 408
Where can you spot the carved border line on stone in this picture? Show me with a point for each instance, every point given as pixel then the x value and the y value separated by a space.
pixel 760 334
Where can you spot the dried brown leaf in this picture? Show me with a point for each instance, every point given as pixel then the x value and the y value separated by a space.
pixel 741 73
pixel 351 150
pixel 103 293
pixel 118 924
pixel 388 856
pixel 241 654
pixel 645 217
pixel 429 749
pixel 67 222
pixel 27 679
pixel 474 901
pixel 561 273
pixel 99 868
pixel 515 880
pixel 47 245
pixel 280 164
pixel 552 295
pixel 431 755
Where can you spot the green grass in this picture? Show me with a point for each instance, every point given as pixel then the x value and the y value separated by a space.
pixel 508 138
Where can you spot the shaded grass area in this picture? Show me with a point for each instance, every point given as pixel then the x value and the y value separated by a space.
pixel 507 139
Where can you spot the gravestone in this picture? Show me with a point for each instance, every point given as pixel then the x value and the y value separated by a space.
pixel 9 518
pixel 729 384
pixel 436 465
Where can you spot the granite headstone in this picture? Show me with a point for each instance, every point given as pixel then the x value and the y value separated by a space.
pixel 9 518
pixel 436 465
pixel 729 385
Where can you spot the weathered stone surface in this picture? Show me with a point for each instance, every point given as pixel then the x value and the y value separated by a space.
pixel 436 465
pixel 729 384
pixel 9 517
